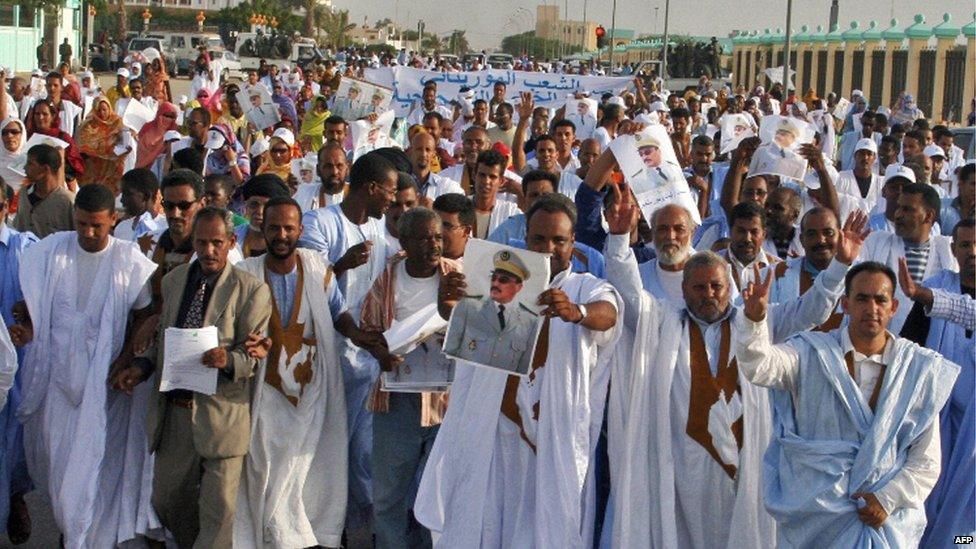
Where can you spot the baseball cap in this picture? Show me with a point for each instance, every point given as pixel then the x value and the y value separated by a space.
pixel 933 150
pixel 172 135
pixel 616 100
pixel 898 170
pixel 658 106
pixel 260 146
pixel 123 72
pixel 215 139
pixel 866 144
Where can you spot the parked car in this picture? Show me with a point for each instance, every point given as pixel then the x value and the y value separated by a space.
pixel 142 42
pixel 230 63
pixel 964 139
pixel 98 60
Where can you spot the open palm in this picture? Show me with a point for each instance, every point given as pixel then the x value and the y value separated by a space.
pixel 852 237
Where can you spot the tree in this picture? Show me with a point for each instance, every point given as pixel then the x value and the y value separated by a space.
pixel 530 44
pixel 458 43
pixel 337 27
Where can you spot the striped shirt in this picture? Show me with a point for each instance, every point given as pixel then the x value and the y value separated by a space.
pixel 917 257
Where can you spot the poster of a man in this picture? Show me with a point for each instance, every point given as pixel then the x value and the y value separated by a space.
pixel 355 99
pixel 649 149
pixel 497 323
pixel 581 111
pixel 261 110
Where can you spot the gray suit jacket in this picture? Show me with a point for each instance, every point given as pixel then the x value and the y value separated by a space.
pixel 240 304
pixel 476 335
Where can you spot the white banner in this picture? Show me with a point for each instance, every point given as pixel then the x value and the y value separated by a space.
pixel 549 90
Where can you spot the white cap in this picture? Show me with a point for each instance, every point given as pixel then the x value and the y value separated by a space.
pixel 866 144
pixel 616 100
pixel 184 99
pixel 123 72
pixel 86 74
pixel 215 139
pixel 172 135
pixel 285 135
pixel 260 146
pixel 658 106
pixel 933 150
pixel 38 73
pixel 136 65
pixel 856 93
pixel 898 170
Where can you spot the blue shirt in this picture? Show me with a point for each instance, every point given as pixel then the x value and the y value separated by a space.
pixel 12 245
pixel 589 223
pixel 283 287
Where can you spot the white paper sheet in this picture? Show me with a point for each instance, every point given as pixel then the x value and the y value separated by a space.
pixel 182 352
pixel 403 336
pixel 136 115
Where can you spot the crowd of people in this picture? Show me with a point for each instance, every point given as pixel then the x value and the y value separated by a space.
pixel 797 369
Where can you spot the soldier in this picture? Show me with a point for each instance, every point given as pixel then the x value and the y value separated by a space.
pixel 500 333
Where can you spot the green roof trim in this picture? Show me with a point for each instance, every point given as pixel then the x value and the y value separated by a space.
pixel 818 36
pixel 872 32
pixel 945 29
pixel 919 29
pixel 853 34
pixel 893 32
pixel 803 35
pixel 835 35
pixel 970 28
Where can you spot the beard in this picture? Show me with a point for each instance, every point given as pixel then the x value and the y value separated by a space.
pixel 679 255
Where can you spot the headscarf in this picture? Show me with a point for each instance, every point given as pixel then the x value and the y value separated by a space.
pixel 285 105
pixel 313 125
pixel 97 136
pixel 12 158
pixel 210 101
pixel 810 98
pixel 283 170
pixel 151 142
pixel 217 162
pixel 75 165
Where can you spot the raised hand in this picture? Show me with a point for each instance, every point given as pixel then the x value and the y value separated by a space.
pixel 813 155
pixel 915 292
pixel 257 346
pixel 852 237
pixel 623 214
pixel 756 296
pixel 526 106
pixel 354 257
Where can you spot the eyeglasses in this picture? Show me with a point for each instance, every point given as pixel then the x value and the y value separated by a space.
pixel 10 132
pixel 184 205
pixel 503 277
pixel 451 226
pixel 280 150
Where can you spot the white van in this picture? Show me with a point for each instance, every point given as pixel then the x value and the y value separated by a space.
pixel 184 46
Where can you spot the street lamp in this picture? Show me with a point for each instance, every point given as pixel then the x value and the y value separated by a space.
pixel 274 22
pixel 200 19
pixel 146 16
pixel 90 33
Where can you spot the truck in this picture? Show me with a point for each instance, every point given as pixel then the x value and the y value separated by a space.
pixel 274 48
pixel 648 70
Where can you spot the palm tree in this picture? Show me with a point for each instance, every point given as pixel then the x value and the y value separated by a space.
pixel 337 26
pixel 458 43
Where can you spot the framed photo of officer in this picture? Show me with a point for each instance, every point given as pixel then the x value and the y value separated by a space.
pixel 497 323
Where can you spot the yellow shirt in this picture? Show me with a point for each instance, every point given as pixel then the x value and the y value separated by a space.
pixel 113 95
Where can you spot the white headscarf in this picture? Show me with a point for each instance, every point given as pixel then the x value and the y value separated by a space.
pixel 12 158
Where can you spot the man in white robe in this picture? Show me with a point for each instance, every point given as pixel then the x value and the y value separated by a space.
pixel 513 464
pixel 490 210
pixel 856 446
pixel 85 439
pixel 351 237
pixel 332 169
pixel 926 253
pixel 685 462
pixel 294 489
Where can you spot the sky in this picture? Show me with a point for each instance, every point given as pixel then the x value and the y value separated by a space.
pixel 486 23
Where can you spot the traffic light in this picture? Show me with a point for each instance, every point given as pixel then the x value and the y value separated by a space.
pixel 600 37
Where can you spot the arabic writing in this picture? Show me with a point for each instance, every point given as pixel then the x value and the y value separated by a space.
pixel 548 90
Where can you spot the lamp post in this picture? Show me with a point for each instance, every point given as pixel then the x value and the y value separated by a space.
pixel 613 30
pixel 786 49
pixel 89 33
pixel 146 16
pixel 253 21
pixel 200 19
pixel 664 53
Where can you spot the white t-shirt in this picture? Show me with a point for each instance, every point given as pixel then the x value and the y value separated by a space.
pixel 413 294
pixel 87 265
pixel 602 136
pixel 671 283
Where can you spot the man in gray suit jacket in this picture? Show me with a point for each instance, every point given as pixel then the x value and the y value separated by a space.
pixel 494 330
pixel 200 440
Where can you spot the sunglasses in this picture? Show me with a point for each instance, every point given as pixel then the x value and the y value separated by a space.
pixel 184 205
pixel 280 150
pixel 10 132
pixel 504 278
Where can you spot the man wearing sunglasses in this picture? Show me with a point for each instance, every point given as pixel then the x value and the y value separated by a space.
pixel 492 329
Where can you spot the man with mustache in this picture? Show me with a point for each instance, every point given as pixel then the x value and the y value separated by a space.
pixel 783 206
pixel 855 447
pixel 285 490
pixel 926 253
pixel 747 222
pixel 352 239
pixel 490 210
pixel 257 192
pixel 693 466
pixel 405 424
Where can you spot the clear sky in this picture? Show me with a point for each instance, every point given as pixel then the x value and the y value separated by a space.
pixel 486 22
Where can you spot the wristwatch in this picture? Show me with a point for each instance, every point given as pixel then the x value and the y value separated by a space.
pixel 582 310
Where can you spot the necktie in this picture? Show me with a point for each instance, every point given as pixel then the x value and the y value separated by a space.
pixel 194 313
pixel 501 316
